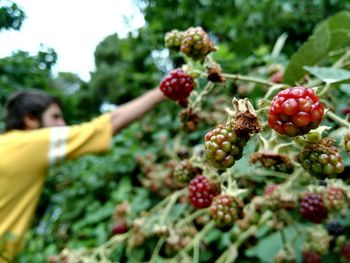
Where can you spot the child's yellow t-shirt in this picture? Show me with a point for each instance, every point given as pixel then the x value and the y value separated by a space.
pixel 25 157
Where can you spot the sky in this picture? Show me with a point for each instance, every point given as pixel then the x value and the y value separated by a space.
pixel 73 28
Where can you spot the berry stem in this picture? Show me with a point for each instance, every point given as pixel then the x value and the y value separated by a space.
pixel 273 89
pixel 156 250
pixel 337 119
pixel 167 199
pixel 283 237
pixel 324 90
pixel 195 104
pixel 195 253
pixel 192 217
pixel 168 207
pixel 231 253
pixel 249 79
pixel 196 239
pixel 262 173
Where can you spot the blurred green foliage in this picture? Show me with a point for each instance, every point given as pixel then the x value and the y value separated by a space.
pixel 11 16
pixel 80 196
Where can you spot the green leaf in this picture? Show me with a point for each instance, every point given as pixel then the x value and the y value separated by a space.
pixel 345 88
pixel 329 75
pixel 267 248
pixel 329 35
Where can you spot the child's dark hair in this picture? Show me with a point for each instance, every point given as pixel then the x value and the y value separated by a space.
pixel 31 103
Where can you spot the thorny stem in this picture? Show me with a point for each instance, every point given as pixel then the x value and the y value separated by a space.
pixel 230 255
pixel 207 89
pixel 343 60
pixel 167 199
pixel 273 89
pixel 291 222
pixel 156 250
pixel 196 253
pixel 283 237
pixel 88 255
pixel 324 90
pixel 282 145
pixel 262 173
pixel 170 204
pixel 191 217
pixel 337 119
pixel 197 238
pixel 249 79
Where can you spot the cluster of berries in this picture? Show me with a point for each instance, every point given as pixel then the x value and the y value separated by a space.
pixel 315 206
pixel 194 42
pixel 225 209
pixel 321 160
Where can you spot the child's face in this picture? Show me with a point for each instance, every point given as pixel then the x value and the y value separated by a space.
pixel 52 117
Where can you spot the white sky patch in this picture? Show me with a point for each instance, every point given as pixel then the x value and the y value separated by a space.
pixel 73 28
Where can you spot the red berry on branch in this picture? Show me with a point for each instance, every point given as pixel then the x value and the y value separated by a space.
pixel 312 208
pixel 312 257
pixel 277 77
pixel 295 111
pixel 120 228
pixel 345 251
pixel 202 191
pixel 177 86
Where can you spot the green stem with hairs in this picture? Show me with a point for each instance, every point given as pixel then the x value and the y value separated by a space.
pixel 196 239
pixel 249 79
pixel 337 119
pixel 207 89
pixel 156 250
pixel 191 217
pixel 230 255
pixel 168 207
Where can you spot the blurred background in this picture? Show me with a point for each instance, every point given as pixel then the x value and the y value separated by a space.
pixel 95 55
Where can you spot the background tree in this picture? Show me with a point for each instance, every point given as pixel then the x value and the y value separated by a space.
pixel 11 16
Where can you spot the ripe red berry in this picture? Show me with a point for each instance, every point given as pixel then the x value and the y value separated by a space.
pixel 311 257
pixel 270 189
pixel 345 251
pixel 226 209
pixel 312 208
pixel 202 191
pixel 177 86
pixel 120 228
pixel 277 77
pixel 295 111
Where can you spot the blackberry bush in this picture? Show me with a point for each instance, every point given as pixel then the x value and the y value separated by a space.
pixel 291 177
